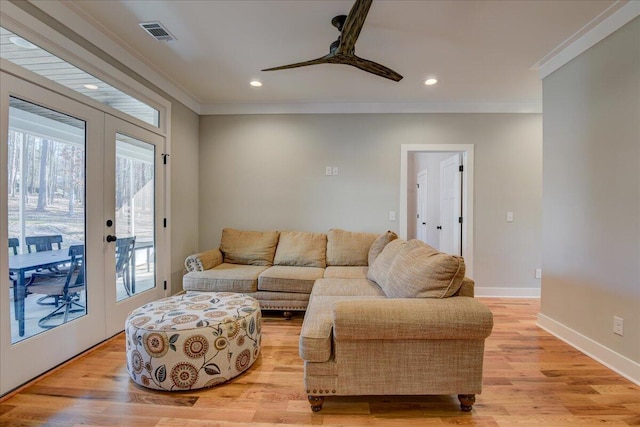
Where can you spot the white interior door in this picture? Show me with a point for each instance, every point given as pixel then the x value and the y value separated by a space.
pixel 133 225
pixel 450 205
pixel 421 223
pixel 50 185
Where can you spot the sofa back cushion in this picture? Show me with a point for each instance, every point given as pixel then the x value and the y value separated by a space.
pixel 420 271
pixel 348 247
pixel 248 247
pixel 379 269
pixel 301 249
pixel 378 245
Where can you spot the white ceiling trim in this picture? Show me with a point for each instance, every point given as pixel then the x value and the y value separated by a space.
pixel 371 108
pixel 612 19
pixel 84 25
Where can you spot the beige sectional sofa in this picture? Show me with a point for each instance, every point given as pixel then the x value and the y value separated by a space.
pixel 280 268
pixel 383 316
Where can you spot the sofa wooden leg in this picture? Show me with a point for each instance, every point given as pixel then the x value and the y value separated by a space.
pixel 466 401
pixel 316 402
pixel 288 315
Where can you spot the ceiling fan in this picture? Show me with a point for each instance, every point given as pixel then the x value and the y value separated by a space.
pixel 342 50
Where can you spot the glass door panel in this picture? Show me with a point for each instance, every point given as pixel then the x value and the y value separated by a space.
pixel 135 216
pixel 46 218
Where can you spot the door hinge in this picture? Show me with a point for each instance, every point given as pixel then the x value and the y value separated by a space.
pixel 165 223
pixel 418 185
pixel 461 168
pixel 164 158
pixel 459 220
pixel 165 285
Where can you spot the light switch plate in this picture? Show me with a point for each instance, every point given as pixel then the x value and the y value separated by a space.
pixel 335 170
pixel 509 216
pixel 328 171
pixel 392 215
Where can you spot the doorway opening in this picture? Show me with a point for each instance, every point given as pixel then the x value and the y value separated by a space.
pixel 414 161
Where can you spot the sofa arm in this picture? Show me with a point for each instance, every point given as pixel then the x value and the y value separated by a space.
pixel 204 260
pixel 411 318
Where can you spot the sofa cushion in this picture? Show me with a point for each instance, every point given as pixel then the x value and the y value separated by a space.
pixel 346 272
pixel 348 247
pixel 420 271
pixel 379 244
pixel 379 270
pixel 301 249
pixel 224 278
pixel 248 247
pixel 346 287
pixel 281 278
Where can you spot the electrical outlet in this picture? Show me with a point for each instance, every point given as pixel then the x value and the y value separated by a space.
pixel 538 273
pixel 335 170
pixel 618 325
pixel 328 171
pixel 392 215
pixel 509 216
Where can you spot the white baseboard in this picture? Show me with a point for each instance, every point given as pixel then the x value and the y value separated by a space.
pixel 495 292
pixel 609 358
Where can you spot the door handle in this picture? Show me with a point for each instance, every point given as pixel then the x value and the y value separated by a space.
pixel 439 227
pixel 424 223
pixel 111 238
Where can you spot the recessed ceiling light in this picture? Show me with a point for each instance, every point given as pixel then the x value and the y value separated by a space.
pixel 91 87
pixel 430 82
pixel 255 83
pixel 19 41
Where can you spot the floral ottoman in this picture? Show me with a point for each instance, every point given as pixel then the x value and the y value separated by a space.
pixel 193 340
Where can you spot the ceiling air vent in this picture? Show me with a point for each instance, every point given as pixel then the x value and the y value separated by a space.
pixel 157 31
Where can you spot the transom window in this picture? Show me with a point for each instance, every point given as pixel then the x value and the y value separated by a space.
pixel 33 58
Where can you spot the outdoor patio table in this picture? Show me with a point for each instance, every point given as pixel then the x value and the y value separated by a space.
pixel 23 263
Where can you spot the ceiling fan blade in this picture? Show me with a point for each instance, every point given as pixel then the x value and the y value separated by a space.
pixel 323 60
pixel 352 26
pixel 369 66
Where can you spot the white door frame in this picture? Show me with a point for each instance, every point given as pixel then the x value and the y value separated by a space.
pixel 421 204
pixel 467 192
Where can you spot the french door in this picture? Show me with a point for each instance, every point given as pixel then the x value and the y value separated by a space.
pixel 133 225
pixel 86 182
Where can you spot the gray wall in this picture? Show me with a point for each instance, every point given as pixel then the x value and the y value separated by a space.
pixel 591 205
pixel 184 189
pixel 268 172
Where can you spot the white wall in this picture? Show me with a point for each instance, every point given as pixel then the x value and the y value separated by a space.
pixel 268 172
pixel 591 204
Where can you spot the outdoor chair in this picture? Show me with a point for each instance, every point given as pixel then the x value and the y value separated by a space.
pixel 124 253
pixel 42 244
pixel 65 285
pixel 13 250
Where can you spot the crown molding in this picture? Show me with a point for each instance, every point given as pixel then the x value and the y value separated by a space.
pixel 371 108
pixel 613 18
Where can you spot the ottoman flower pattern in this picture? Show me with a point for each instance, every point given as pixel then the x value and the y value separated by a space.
pixel 193 340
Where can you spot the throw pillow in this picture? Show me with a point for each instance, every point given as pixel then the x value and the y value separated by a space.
pixel 379 269
pixel 301 249
pixel 248 247
pixel 348 247
pixel 420 271
pixel 379 244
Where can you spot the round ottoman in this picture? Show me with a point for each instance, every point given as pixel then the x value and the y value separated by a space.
pixel 193 340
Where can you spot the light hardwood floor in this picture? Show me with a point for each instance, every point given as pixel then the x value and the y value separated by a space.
pixel 530 379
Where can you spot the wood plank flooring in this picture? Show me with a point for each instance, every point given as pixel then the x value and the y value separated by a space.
pixel 530 379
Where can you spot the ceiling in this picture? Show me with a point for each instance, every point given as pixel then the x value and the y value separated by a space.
pixel 481 52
